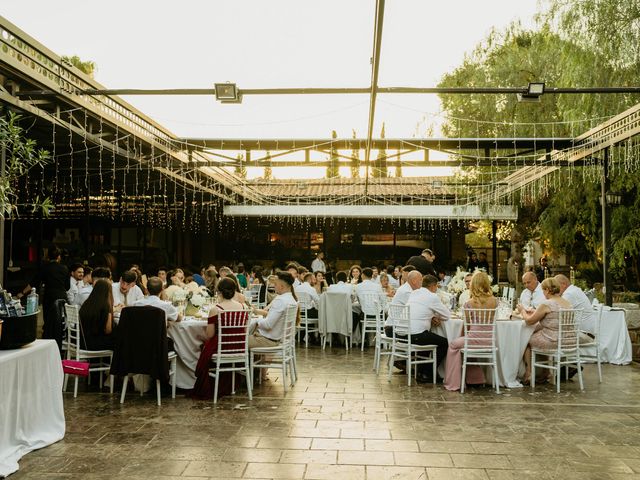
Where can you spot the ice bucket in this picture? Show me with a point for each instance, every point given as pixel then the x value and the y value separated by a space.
pixel 18 331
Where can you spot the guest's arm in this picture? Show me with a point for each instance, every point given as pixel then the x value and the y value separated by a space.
pixel 531 318
pixel 108 328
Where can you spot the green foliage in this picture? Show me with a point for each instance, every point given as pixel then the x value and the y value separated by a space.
pixel 21 155
pixel 88 66
pixel 575 44
pixel 380 163
pixel 333 170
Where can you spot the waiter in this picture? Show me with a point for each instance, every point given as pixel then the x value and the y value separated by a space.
pixel 424 262
pixel 56 280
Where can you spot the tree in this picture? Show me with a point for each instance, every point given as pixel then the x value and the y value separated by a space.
pixel 241 169
pixel 380 163
pixel 565 212
pixel 268 173
pixel 355 166
pixel 88 67
pixel 333 170
pixel 21 156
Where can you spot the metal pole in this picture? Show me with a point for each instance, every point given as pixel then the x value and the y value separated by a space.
pixel 494 249
pixel 3 159
pixel 606 229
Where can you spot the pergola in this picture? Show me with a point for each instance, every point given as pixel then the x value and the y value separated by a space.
pixel 110 159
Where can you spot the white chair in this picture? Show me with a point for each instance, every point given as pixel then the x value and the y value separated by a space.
pixel 401 346
pixel 480 342
pixel 76 352
pixel 307 325
pixel 172 358
pixel 594 344
pixel 383 342
pixel 567 351
pixel 233 351
pixel 253 293
pixel 280 356
pixel 371 306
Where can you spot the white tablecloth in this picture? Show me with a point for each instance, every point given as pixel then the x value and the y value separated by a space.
pixel 614 341
pixel 188 337
pixel 512 337
pixel 31 408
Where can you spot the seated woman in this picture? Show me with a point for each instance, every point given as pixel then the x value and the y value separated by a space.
pixel 546 334
pixel 388 290
pixel 321 284
pixel 355 274
pixel 203 388
pixel 96 317
pixel 481 298
pixel 270 329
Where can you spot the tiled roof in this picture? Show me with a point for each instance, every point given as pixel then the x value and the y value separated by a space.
pixel 377 187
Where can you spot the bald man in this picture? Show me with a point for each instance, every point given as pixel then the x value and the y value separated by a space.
pixel 414 281
pixel 532 295
pixel 579 300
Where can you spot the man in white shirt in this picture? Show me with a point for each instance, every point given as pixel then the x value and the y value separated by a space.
pixel 580 301
pixel 466 293
pixel 426 310
pixel 83 294
pixel 75 282
pixel 312 299
pixel 154 286
pixel 393 281
pixel 318 264
pixel 292 268
pixel 414 282
pixel 532 295
pixel 126 292
pixel 341 285
pixel 375 276
pixel 369 290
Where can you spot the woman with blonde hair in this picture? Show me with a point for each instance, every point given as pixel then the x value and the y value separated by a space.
pixel 547 314
pixel 481 297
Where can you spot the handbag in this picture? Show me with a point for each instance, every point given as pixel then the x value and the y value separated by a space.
pixel 75 367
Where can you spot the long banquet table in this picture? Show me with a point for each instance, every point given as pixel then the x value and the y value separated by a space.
pixel 31 407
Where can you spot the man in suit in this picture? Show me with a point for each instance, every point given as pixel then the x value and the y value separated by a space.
pixel 424 262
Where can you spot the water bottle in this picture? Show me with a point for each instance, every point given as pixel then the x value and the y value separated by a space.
pixel 32 302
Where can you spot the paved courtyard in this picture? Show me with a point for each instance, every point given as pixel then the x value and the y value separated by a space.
pixel 343 421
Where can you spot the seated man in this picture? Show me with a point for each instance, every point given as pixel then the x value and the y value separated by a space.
pixel 126 292
pixel 343 286
pixel 314 300
pixel 414 281
pixel 368 291
pixel 155 287
pixel 531 296
pixel 579 301
pixel 427 310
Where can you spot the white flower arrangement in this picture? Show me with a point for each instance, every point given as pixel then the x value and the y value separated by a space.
pixel 456 286
pixel 444 297
pixel 197 300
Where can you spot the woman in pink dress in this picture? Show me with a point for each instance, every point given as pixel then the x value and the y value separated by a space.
pixel 547 317
pixel 481 298
pixel 203 388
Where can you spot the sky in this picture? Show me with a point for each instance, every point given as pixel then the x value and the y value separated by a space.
pixel 270 44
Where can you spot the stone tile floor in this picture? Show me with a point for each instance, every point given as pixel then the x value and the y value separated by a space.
pixel 341 421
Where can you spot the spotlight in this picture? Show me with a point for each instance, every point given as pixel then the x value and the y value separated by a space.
pixel 227 93
pixel 534 91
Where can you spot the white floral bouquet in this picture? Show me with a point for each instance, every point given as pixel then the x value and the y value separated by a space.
pixel 456 286
pixel 444 297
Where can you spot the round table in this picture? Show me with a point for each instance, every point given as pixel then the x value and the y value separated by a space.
pixel 188 337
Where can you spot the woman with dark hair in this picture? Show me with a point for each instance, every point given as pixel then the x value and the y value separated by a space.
pixel 203 388
pixel 355 274
pixel 258 279
pixel 96 317
pixel 238 297
pixel 321 283
pixel 269 330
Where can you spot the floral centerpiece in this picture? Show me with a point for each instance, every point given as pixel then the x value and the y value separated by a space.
pixel 456 286
pixel 189 298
